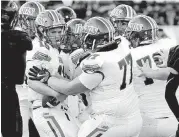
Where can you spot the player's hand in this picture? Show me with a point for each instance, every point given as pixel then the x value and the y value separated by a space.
pixel 49 102
pixel 161 58
pixel 145 69
pixel 39 74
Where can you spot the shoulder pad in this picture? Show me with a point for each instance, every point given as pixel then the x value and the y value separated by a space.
pixel 76 55
pixel 92 63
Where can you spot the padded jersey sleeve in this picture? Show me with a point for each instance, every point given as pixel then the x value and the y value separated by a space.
pixel 92 74
pixel 38 57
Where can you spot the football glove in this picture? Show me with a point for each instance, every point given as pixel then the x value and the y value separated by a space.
pixel 41 75
pixel 49 102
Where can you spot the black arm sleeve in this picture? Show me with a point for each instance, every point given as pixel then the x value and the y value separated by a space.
pixel 170 91
pixel 173 58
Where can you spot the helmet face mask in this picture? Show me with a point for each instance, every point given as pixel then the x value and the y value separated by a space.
pixel 119 25
pixel 51 28
pixel 73 39
pixel 28 25
pixel 97 32
pixel 92 41
pixel 27 15
pixel 120 17
pixel 56 36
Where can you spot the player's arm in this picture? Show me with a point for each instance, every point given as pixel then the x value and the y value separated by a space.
pixel 80 84
pixel 159 74
pixel 41 88
pixel 170 94
pixel 173 81
pixel 37 85
pixel 90 78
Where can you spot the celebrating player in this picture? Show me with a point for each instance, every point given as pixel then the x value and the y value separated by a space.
pixel 49 121
pixel 107 76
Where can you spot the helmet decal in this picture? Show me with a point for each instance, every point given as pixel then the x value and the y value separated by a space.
pixel 135 27
pixel 27 11
pixel 90 29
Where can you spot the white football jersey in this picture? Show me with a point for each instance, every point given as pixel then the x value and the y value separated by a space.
pixel 115 95
pixel 151 92
pixel 36 45
pixel 43 57
pixel 65 60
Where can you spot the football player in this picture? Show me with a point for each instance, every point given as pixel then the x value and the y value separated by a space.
pixel 156 114
pixel 50 121
pixel 74 42
pixel 26 19
pixel 67 13
pixel 27 15
pixel 107 76
pixel 120 17
pixel 167 60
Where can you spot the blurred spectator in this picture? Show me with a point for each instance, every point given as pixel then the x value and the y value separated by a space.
pixel 165 13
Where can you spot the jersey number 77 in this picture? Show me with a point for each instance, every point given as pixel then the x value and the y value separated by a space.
pixel 126 65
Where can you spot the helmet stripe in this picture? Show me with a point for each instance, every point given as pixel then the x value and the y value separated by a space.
pixel 38 7
pixel 127 9
pixel 153 25
pixel 101 19
pixel 54 16
pixel 112 28
pixel 41 7
pixel 131 11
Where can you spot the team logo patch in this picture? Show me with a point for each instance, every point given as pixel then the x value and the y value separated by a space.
pixel 41 56
pixel 27 11
pixel 91 30
pixel 135 27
